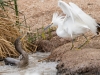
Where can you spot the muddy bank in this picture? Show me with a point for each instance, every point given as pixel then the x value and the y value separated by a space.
pixel 84 61
pixel 51 44
pixel 80 62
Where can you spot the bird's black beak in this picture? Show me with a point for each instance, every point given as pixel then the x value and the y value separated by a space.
pixel 48 26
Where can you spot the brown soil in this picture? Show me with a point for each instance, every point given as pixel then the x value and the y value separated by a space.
pixel 39 13
pixel 74 59
pixel 82 62
pixel 50 44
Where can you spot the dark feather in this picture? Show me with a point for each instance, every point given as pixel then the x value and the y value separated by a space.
pixel 98 28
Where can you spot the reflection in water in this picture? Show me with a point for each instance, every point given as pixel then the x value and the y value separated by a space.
pixel 34 67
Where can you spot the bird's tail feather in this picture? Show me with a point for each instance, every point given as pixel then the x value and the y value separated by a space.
pixel 98 28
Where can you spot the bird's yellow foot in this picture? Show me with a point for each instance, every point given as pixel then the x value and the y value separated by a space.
pixel 83 44
pixel 72 47
pixel 77 48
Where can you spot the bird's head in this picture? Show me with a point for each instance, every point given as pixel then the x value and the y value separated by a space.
pixel 56 20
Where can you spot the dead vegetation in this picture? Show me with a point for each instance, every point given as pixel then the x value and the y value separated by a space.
pixel 10 31
pixel 8 34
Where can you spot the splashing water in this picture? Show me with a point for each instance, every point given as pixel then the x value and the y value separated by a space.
pixel 34 67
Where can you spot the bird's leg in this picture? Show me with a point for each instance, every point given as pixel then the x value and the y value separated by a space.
pixel 84 42
pixel 93 37
pixel 72 45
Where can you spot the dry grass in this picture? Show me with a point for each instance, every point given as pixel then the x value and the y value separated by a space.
pixel 8 34
pixel 10 31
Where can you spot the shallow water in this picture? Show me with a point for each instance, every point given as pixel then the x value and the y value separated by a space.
pixel 34 67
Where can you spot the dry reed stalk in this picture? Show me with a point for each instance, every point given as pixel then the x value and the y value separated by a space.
pixel 8 34
pixel 7 49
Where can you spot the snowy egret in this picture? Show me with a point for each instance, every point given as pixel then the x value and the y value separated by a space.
pixel 76 22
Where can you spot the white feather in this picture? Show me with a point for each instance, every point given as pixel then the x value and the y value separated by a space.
pixel 71 25
pixel 88 20
pixel 57 18
pixel 66 9
pixel 75 22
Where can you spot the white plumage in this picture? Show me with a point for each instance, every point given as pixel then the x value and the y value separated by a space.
pixel 75 22
pixel 88 20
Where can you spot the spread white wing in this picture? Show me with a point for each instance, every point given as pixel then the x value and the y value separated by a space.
pixel 69 17
pixel 66 9
pixel 88 20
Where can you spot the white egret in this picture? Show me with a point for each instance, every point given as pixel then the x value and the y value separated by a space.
pixel 76 22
